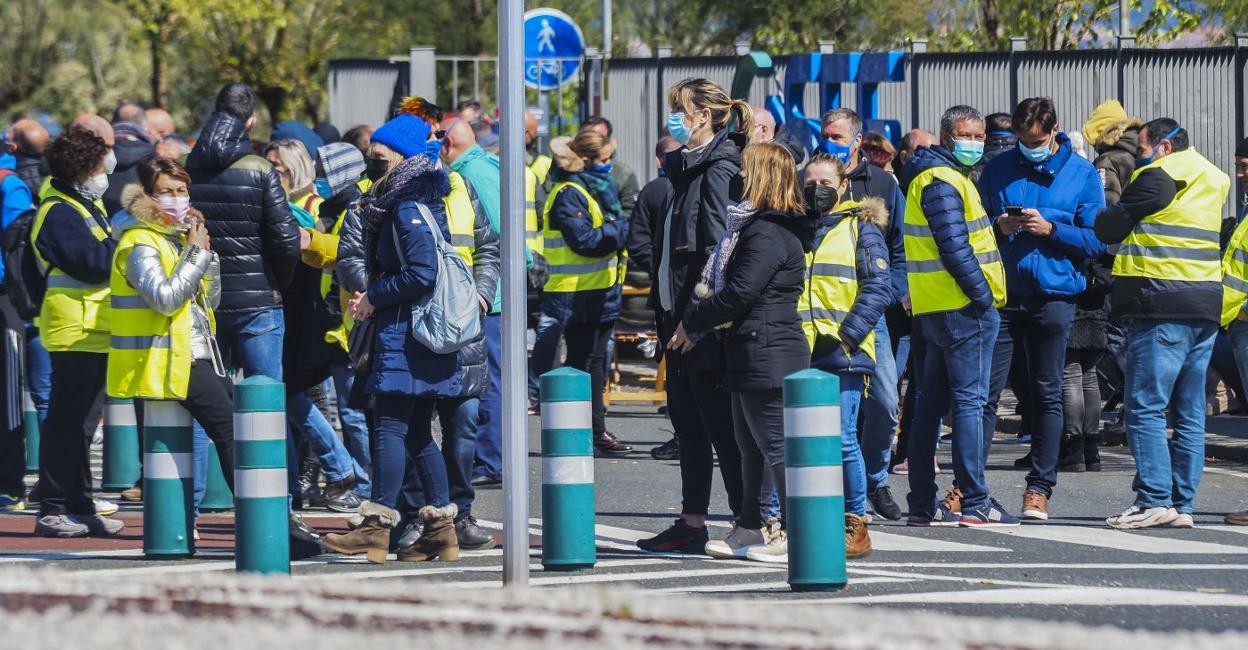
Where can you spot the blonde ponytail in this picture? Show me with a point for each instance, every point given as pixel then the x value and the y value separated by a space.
pixel 744 115
pixel 699 94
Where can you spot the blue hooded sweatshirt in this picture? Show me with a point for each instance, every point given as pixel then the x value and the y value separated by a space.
pixel 1067 191
pixel 15 197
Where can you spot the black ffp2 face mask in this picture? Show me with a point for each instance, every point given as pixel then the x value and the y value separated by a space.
pixel 820 199
pixel 375 169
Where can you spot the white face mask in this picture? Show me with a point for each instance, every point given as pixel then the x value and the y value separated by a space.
pixel 110 162
pixel 95 186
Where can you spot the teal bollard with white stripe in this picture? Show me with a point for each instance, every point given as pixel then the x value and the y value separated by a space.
pixel 815 492
pixel 168 473
pixel 217 495
pixel 567 471
pixel 262 542
pixel 121 445
pixel 30 426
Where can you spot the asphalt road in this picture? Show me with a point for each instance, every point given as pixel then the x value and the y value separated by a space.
pixel 1071 568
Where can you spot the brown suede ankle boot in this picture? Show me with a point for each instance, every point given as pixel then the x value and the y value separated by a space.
pixel 438 539
pixel 857 541
pixel 372 537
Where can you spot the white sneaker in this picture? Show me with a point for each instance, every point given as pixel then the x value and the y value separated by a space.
pixel 105 508
pixel 776 551
pixel 1137 517
pixel 97 438
pixel 736 543
pixel 1183 520
pixel 195 534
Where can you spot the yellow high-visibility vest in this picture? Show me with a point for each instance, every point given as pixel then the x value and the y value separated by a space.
pixel 932 287
pixel 532 225
pixel 1235 275
pixel 1180 241
pixel 461 218
pixel 570 272
pixel 541 166
pixel 149 354
pixel 74 316
pixel 832 282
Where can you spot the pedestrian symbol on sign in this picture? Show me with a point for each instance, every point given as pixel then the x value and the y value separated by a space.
pixel 553 47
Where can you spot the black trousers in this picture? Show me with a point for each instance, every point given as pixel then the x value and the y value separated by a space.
pixel 12 433
pixel 74 408
pixel 587 349
pixel 758 419
pixel 210 401
pixel 701 415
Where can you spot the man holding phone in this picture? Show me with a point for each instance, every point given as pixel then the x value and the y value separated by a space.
pixel 1045 199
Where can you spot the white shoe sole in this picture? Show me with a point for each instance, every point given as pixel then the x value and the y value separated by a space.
pixel 727 553
pixel 1035 515
pixel 1161 521
pixel 768 558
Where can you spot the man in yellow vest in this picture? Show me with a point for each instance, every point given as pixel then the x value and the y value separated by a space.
pixel 1168 285
pixel 957 282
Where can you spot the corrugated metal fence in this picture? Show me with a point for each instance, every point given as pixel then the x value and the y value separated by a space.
pixel 1201 88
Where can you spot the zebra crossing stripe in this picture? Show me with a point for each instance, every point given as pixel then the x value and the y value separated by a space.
pixel 881 541
pixel 1119 540
pixel 1063 596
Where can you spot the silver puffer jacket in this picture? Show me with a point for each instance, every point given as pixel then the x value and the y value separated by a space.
pixel 195 278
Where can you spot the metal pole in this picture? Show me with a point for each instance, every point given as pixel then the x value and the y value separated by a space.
pixel 515 369
pixel 1124 18
pixel 606 28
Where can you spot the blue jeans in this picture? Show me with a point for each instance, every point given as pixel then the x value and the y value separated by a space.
pixel 488 444
pixel 252 341
pixel 354 429
pixel 404 427
pixel 1166 365
pixel 337 462
pixel 852 465
pixel 1042 327
pixel 38 372
pixel 1239 342
pixel 199 482
pixel 957 366
pixel 545 348
pixel 880 411
pixel 458 417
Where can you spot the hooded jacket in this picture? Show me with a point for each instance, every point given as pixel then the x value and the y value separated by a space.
pixel 1115 157
pixel 402 366
pixel 133 144
pixel 875 293
pixel 704 182
pixel 946 215
pixel 1066 190
pixel 15 197
pixel 867 180
pixel 762 283
pixel 247 216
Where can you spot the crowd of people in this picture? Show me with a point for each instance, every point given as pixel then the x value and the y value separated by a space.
pixel 362 270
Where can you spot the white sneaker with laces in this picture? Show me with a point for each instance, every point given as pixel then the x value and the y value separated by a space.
pixel 776 551
pixel 105 508
pixel 1137 517
pixel 736 543
pixel 1183 520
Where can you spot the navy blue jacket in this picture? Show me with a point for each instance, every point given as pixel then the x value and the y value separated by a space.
pixel 570 213
pixel 946 216
pixel 401 366
pixel 66 242
pixel 1066 190
pixel 868 180
pixel 875 294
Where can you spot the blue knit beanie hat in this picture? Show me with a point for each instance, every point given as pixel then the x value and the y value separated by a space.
pixel 408 131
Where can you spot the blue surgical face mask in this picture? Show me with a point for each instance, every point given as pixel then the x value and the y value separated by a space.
pixel 968 152
pixel 433 148
pixel 323 188
pixel 1037 155
pixel 676 126
pixel 603 168
pixel 838 151
pixel 1140 162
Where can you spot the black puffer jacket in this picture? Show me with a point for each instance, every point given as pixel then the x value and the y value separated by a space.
pixel 247 214
pixel 132 146
pixel 762 283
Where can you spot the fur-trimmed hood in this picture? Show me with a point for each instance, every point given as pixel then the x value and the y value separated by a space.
pixel 1111 135
pixel 561 151
pixel 142 211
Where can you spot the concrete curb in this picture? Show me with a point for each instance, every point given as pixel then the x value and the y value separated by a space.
pixel 48 608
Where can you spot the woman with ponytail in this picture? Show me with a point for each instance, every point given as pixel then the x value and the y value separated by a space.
pixel 706 180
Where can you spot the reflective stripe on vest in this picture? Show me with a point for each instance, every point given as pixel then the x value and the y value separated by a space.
pixel 1235 275
pixel 532 225
pixel 1180 241
pixel 570 272
pixel 461 219
pixel 832 283
pixel 932 288
pixel 541 167
pixel 74 315
pixel 149 354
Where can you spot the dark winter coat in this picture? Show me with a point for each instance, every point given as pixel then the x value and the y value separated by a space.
pixel 1091 325
pixel 32 171
pixel 247 216
pixel 644 223
pixel 66 242
pixel 1150 298
pixel 762 284
pixel 1115 158
pixel 942 205
pixel 401 366
pixel 570 214
pixel 132 146
pixel 874 295
pixel 867 180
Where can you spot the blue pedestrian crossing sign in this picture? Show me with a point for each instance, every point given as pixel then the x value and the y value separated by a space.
pixel 553 46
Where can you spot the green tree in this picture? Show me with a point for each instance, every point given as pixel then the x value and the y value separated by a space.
pixel 157 21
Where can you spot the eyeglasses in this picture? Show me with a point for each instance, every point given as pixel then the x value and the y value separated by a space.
pixel 440 134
